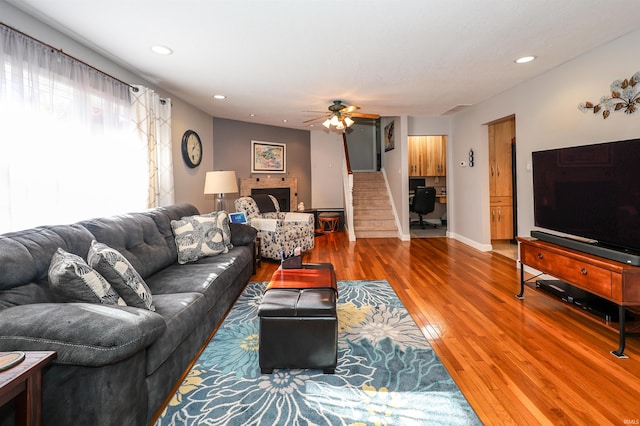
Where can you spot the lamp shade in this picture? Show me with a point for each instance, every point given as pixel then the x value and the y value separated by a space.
pixel 221 182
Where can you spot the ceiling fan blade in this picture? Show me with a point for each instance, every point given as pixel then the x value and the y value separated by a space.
pixel 349 109
pixel 362 115
pixel 315 119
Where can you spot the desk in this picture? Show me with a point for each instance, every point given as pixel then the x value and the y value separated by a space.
pixel 24 383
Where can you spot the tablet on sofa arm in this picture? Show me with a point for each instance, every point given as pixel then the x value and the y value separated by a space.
pixel 239 217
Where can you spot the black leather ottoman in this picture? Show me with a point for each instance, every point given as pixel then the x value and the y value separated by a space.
pixel 299 327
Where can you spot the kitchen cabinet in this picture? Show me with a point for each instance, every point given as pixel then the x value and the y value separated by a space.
pixel 427 155
pixel 501 140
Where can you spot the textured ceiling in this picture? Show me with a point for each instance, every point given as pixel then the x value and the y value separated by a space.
pixel 277 59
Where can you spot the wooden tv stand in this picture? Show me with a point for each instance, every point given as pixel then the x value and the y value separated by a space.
pixel 614 281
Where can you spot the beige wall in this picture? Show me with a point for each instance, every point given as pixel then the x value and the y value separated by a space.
pixel 327 169
pixel 232 151
pixel 547 116
pixel 188 182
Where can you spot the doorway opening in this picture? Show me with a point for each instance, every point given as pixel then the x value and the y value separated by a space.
pixel 427 168
pixel 502 185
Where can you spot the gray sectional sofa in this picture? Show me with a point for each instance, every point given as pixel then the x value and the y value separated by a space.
pixel 116 365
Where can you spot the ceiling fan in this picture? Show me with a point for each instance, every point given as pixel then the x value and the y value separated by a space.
pixel 341 115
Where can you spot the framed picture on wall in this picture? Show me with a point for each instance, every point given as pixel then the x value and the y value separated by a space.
pixel 268 157
pixel 389 141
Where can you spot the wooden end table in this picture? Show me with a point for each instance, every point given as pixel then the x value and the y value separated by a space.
pixel 24 383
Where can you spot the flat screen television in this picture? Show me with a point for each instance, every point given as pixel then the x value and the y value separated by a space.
pixel 591 192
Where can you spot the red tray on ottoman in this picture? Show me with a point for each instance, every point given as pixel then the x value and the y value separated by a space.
pixel 298 320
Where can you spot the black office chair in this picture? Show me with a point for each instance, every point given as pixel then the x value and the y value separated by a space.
pixel 423 203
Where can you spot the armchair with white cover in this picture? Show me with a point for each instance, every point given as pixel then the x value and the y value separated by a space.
pixel 279 232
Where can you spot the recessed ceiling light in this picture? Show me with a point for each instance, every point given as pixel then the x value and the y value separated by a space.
pixel 524 59
pixel 219 97
pixel 252 115
pixel 284 121
pixel 162 50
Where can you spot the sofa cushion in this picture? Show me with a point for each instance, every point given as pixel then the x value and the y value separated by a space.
pixel 82 333
pixel 182 314
pixel 117 270
pixel 162 217
pixel 75 281
pixel 201 236
pixel 210 276
pixel 26 255
pixel 136 237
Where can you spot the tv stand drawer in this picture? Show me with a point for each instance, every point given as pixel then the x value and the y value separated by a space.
pixel 581 274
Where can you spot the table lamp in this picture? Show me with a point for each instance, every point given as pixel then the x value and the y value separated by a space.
pixel 220 182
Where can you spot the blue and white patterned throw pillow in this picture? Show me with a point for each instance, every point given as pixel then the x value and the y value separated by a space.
pixel 202 236
pixel 116 269
pixel 75 281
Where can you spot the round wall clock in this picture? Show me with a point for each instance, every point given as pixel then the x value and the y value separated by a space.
pixel 191 148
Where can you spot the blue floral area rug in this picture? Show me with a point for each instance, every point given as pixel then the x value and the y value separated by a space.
pixel 387 373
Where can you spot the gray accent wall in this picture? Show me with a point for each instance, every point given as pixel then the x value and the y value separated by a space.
pixel 232 151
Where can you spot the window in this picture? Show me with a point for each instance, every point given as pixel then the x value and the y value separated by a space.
pixel 68 147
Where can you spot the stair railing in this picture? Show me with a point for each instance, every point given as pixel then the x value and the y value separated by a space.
pixel 347 183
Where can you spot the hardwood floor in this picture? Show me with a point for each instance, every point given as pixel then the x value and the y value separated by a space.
pixel 522 362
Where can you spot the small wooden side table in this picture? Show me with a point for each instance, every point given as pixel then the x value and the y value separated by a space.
pixel 24 383
pixel 329 221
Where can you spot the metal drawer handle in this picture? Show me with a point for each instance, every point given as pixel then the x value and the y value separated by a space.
pixel 540 256
pixel 584 271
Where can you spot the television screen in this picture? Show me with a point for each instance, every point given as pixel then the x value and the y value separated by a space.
pixel 590 191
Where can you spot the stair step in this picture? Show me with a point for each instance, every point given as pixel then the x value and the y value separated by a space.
pixel 377 197
pixel 372 186
pixel 371 204
pixel 377 234
pixel 372 214
pixel 378 224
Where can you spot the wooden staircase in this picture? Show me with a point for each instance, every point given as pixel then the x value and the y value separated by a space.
pixel 372 213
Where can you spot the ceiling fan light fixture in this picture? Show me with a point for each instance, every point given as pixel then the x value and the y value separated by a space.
pixel 348 121
pixel 334 120
pixel 327 123
pixel 340 125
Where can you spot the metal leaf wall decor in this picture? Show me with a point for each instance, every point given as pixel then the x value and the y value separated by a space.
pixel 625 96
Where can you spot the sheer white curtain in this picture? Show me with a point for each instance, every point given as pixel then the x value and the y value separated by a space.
pixel 152 117
pixel 68 146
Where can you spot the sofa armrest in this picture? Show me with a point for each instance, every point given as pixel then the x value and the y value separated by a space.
pixel 305 218
pixel 241 234
pixel 267 225
pixel 81 333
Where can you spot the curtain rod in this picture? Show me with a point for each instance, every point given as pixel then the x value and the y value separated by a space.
pixel 55 49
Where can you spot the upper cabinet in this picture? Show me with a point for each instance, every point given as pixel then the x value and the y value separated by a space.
pixel 427 155
pixel 501 137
